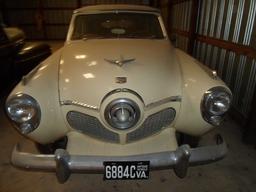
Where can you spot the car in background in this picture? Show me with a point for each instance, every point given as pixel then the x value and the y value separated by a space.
pixel 113 99
pixel 17 56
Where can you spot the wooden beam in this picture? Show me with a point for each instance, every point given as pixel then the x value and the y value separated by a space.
pixel 234 47
pixel 229 46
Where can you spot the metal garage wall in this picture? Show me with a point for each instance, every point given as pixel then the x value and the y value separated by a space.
pixel 232 21
pixel 39 19
pixel 24 18
pixel 48 19
pixel 181 20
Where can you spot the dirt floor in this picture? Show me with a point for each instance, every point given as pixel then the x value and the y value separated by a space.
pixel 235 173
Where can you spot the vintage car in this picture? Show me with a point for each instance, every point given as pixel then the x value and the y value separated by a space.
pixel 18 56
pixel 113 98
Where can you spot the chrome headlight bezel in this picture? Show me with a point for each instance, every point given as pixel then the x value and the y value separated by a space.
pixel 118 104
pixel 215 104
pixel 24 112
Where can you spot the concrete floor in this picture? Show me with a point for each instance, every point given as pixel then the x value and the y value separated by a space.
pixel 236 173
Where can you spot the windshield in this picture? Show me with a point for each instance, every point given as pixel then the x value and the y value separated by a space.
pixel 117 25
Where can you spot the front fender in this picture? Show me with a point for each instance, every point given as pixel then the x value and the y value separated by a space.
pixel 42 84
pixel 196 81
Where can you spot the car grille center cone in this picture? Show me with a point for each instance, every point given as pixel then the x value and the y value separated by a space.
pixel 122 113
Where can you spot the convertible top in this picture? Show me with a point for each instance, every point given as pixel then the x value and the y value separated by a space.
pixel 116 7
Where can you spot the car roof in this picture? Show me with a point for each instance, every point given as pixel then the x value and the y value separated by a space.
pixel 116 7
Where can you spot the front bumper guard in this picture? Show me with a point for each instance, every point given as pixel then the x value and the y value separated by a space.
pixel 63 163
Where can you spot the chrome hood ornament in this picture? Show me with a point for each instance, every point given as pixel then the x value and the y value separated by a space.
pixel 120 62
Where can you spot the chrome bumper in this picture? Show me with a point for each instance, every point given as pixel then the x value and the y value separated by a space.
pixel 63 164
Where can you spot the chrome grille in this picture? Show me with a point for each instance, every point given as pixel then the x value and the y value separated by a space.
pixel 153 124
pixel 91 126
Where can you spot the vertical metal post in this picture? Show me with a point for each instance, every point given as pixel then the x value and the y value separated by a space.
pixel 169 18
pixel 158 4
pixel 193 25
pixel 152 3
pixel 41 14
pixel 79 3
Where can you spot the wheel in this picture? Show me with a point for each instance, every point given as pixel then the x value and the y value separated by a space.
pixel 51 147
pixel 183 139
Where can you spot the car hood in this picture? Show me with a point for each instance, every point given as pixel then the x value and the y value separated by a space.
pixel 86 76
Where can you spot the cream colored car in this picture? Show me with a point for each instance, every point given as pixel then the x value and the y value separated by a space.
pixel 113 99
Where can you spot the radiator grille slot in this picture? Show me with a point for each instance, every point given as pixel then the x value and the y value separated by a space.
pixel 91 126
pixel 153 124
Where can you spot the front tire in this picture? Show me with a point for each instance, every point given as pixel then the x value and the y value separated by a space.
pixel 183 139
pixel 51 147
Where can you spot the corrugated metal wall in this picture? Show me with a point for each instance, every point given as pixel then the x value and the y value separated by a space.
pixel 49 19
pixel 230 20
pixel 181 20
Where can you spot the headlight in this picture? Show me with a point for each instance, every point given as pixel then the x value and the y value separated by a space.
pixel 24 111
pixel 215 104
pixel 122 113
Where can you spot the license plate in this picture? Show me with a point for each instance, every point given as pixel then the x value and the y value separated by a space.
pixel 122 170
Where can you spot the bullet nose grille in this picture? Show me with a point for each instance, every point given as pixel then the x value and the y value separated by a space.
pixel 122 114
pixel 153 124
pixel 91 126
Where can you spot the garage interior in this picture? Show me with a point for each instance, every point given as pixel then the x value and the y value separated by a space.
pixel 219 33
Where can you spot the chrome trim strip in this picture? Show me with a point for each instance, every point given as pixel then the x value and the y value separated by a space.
pixel 28 77
pixel 149 106
pixel 122 90
pixel 64 164
pixel 176 98
pixel 79 104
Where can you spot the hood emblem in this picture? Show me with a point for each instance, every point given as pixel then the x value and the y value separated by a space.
pixel 120 62
pixel 121 80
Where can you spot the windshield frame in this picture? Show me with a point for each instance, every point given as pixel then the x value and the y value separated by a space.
pixel 71 26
